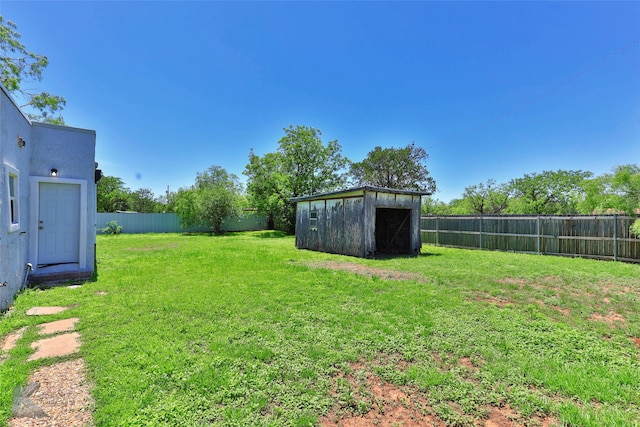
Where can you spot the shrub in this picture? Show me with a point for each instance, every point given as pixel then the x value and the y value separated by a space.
pixel 112 227
pixel 635 228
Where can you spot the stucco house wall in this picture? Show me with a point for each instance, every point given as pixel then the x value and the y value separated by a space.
pixel 15 159
pixel 28 153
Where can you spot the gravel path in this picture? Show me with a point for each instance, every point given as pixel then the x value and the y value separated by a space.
pixel 63 395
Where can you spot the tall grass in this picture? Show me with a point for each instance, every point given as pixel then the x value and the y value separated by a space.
pixel 246 330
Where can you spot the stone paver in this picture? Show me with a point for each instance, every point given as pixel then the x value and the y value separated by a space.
pixel 60 345
pixel 43 311
pixel 10 340
pixel 63 325
pixel 64 398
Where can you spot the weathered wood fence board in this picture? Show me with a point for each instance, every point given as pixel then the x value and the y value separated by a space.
pixel 601 237
pixel 138 223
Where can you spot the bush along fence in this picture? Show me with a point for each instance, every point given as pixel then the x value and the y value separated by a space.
pixel 600 237
pixel 138 223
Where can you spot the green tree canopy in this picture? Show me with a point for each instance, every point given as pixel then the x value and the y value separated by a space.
pixel 112 195
pixel 144 201
pixel 302 165
pixel 18 67
pixel 269 188
pixel 548 193
pixel 488 199
pixel 400 168
pixel 312 166
pixel 215 196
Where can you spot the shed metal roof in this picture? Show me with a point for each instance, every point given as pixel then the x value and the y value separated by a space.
pixel 357 191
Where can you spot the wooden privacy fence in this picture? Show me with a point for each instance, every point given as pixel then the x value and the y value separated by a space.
pixel 601 237
pixel 137 223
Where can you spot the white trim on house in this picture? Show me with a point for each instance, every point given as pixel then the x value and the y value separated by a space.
pixel 35 182
pixel 13 197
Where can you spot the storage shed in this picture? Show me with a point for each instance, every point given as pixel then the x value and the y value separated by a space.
pixel 363 221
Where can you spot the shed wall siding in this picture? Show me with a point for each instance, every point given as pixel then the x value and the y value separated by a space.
pixel 339 226
pixel 416 237
pixel 334 226
pixel 347 225
pixel 353 240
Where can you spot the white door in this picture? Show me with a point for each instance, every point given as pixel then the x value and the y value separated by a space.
pixel 58 224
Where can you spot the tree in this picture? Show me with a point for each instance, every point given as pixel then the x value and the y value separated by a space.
pixel 489 198
pixel 144 201
pixel 268 187
pixel 302 165
pixel 400 168
pixel 431 206
pixel 19 66
pixel 112 195
pixel 549 193
pixel 312 166
pixel 618 191
pixel 215 196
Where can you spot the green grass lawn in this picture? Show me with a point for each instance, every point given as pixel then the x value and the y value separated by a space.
pixel 244 329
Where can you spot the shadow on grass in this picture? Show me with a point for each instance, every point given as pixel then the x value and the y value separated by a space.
pixel 271 234
pixel 268 234
pixel 389 256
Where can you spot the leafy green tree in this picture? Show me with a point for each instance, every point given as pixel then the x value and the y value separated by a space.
pixel 166 202
pixel 268 188
pixel 144 201
pixel 312 166
pixel 302 165
pixel 400 168
pixel 112 195
pixel 215 196
pixel 18 67
pixel 460 207
pixel 489 198
pixel 548 193
pixel 431 206
pixel 617 191
pixel 626 185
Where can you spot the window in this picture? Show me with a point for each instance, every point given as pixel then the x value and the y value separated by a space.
pixel 14 198
pixel 313 220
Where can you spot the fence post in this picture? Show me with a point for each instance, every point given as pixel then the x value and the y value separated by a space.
pixel 437 229
pixel 539 234
pixel 480 231
pixel 615 237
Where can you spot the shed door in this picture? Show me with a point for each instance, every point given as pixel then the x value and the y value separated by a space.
pixel 393 231
pixel 58 224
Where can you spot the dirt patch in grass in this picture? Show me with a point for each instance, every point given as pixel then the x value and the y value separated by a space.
pixel 557 295
pixel 612 319
pixel 467 363
pixel 364 399
pixel 512 281
pixel 364 270
pixel 493 300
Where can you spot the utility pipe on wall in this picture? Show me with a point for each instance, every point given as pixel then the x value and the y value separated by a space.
pixel 27 269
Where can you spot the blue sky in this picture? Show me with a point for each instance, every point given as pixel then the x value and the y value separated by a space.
pixel 491 90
